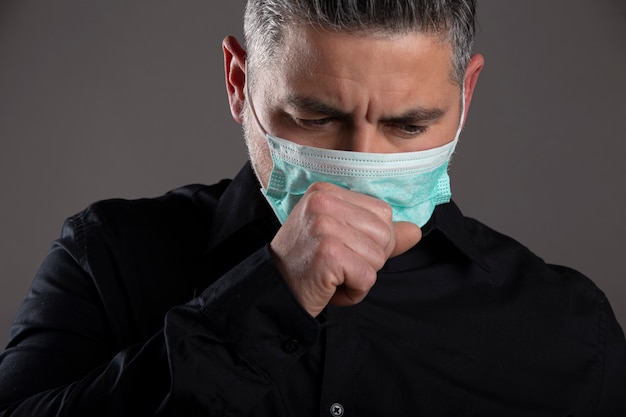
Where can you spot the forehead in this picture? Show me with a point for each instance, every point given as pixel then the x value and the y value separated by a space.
pixel 305 47
pixel 321 61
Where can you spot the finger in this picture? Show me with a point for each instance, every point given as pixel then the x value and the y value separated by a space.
pixel 355 288
pixel 407 235
pixel 365 214
pixel 363 242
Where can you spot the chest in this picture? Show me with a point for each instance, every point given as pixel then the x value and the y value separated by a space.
pixel 416 348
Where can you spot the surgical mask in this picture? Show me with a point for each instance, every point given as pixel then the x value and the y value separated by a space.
pixel 412 183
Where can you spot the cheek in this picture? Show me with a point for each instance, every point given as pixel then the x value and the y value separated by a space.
pixel 258 152
pixel 452 124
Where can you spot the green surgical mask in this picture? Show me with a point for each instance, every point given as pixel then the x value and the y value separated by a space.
pixel 412 183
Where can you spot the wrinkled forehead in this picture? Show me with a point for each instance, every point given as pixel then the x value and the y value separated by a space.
pixel 302 43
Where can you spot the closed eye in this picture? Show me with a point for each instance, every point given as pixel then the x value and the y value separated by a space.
pixel 314 123
pixel 415 122
pixel 406 130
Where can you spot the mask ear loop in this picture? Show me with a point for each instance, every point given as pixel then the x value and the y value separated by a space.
pixel 461 124
pixel 251 104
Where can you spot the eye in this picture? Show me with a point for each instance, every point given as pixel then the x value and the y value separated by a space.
pixel 407 130
pixel 314 123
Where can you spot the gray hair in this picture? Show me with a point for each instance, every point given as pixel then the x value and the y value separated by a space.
pixel 452 20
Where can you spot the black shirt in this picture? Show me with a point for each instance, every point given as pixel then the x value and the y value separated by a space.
pixel 173 306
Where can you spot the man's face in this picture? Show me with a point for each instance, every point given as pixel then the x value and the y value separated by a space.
pixel 334 90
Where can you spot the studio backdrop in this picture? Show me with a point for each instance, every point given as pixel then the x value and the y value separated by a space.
pixel 113 98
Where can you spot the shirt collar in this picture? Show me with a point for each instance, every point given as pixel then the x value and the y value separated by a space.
pixel 448 219
pixel 242 205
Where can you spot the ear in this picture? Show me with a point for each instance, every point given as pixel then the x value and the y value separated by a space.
pixel 235 72
pixel 474 67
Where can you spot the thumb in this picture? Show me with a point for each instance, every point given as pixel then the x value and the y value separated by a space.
pixel 407 236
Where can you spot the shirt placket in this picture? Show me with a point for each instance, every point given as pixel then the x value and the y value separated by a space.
pixel 338 386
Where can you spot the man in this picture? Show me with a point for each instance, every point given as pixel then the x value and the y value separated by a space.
pixel 332 276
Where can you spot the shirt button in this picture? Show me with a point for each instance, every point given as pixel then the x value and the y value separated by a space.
pixel 291 346
pixel 336 410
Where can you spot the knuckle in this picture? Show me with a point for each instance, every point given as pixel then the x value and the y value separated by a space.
pixel 320 186
pixel 385 211
pixel 331 249
pixel 369 278
pixel 380 260
pixel 386 235
pixel 382 235
pixel 322 226
pixel 319 201
pixel 363 281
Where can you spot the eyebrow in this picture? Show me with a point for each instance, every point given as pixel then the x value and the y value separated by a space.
pixel 314 106
pixel 417 115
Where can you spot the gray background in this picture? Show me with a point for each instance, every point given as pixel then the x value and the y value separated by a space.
pixel 116 98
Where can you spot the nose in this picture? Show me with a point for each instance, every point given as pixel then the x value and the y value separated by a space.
pixel 364 138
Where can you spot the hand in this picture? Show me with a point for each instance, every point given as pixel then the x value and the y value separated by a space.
pixel 333 244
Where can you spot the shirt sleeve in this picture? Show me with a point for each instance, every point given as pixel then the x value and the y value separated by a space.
pixel 612 397
pixel 239 338
pixel 220 353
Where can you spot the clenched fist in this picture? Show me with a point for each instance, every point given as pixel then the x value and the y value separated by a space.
pixel 333 244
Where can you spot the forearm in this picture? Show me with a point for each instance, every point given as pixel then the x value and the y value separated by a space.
pixel 231 345
pixel 133 383
pixel 220 353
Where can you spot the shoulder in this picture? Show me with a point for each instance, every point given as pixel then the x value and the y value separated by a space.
pixel 554 312
pixel 194 201
pixel 514 265
pixel 141 255
pixel 167 229
pixel 182 211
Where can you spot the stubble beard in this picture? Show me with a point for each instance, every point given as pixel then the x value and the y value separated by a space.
pixel 258 149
